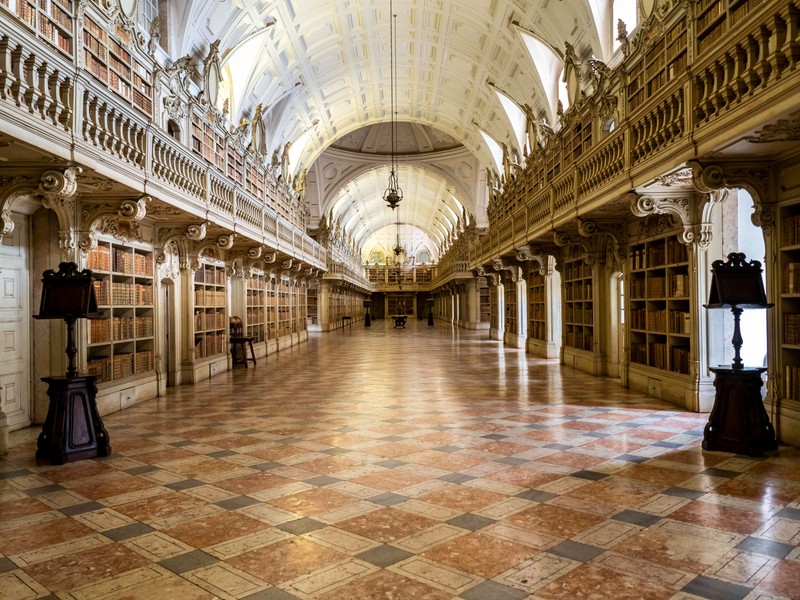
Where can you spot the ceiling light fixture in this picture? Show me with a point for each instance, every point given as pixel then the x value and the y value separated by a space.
pixel 393 194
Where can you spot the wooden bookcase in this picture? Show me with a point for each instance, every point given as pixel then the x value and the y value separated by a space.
pixel 256 310
pixel 578 141
pixel 311 306
pixel 50 19
pixel 299 308
pixel 284 309
pixel 789 318
pixel 494 309
pixel 485 304
pixel 537 310
pixel 713 18
pixel 208 142
pixel 659 305
pixel 210 316
pixel 578 305
pixel 108 57
pixel 510 297
pixel 120 344
pixel 271 308
pixel 665 60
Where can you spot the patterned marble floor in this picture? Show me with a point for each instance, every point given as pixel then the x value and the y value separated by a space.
pixel 425 463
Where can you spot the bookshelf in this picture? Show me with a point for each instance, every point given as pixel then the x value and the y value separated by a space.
pixel 256 312
pixel 210 317
pixel 120 344
pixel 207 142
pixel 271 308
pixel 537 310
pixel 485 304
pixel 311 306
pixel 510 297
pixel 789 257
pixel 299 308
pixel 659 305
pixel 107 57
pixel 494 309
pixel 665 60
pixel 578 305
pixel 284 309
pixel 713 18
pixel 50 19
pixel 579 140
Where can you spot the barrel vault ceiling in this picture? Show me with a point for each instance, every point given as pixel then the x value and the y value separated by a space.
pixel 321 70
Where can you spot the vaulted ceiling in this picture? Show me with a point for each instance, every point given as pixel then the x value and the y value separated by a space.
pixel 321 68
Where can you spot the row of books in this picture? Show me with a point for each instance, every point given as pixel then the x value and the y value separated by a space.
pixel 577 270
pixel 120 260
pixel 211 275
pixel 209 321
pixel 576 291
pixel 792 382
pixel 579 316
pixel 580 338
pixel 791 278
pixel 654 354
pixel 117 293
pixel 120 328
pixel 119 366
pixel 209 345
pixel 791 328
pixel 209 297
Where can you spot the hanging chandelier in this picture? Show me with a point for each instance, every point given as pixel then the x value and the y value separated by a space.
pixel 393 194
pixel 397 249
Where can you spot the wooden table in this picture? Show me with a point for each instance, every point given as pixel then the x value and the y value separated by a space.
pixel 399 321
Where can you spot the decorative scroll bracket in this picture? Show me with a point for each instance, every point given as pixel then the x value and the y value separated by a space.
pixel 117 220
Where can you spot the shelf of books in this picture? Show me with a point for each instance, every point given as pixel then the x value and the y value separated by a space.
pixel 207 141
pixel 312 315
pixel 210 316
pixel 659 305
pixel 299 308
pixel 271 310
pixel 256 311
pixel 284 309
pixel 789 305
pixel 664 61
pixel 50 19
pixel 713 18
pixel 511 314
pixel 120 344
pixel 578 305
pixel 109 58
pixel 537 311
pixel 494 309
pixel 485 307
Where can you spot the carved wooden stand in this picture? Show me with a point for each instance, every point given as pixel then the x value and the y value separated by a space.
pixel 738 422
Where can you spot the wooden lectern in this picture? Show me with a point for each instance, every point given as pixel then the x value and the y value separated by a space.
pixel 73 429
pixel 738 421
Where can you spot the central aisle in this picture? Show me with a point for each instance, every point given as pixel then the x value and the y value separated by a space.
pixel 419 463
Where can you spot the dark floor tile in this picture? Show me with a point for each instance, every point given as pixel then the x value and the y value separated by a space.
pixel 714 589
pixel 182 443
pixel 141 470
pixel 633 458
pixel 272 594
pixel 266 466
pixel 536 495
pixel 184 484
pixel 590 475
pixel 470 522
pixel 221 453
pixel 384 556
pixel 789 513
pixel 763 546
pixel 448 449
pixel 188 562
pixel 335 451
pixel 79 509
pixel 322 480
pixel 555 446
pixel 247 431
pixel 596 434
pixel 671 445
pixel 6 565
pixel 45 489
pixel 127 532
pixel 301 526
pixel 492 590
pixel 237 502
pixel 388 499
pixel 634 517
pixel 15 473
pixel 512 460
pixel 721 473
pixel 679 492
pixel 494 436
pixel 456 478
pixel 576 551
pixel 391 463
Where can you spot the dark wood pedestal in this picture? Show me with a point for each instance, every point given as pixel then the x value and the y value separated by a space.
pixel 738 422
pixel 73 429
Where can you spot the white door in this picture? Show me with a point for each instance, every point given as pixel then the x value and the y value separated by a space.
pixel 15 382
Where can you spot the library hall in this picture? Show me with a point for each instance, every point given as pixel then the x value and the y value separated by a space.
pixel 399 299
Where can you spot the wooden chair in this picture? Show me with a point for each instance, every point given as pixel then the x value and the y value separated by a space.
pixel 241 341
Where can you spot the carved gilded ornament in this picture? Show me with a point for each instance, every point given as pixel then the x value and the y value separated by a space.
pixel 783 130
pixel 118 220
